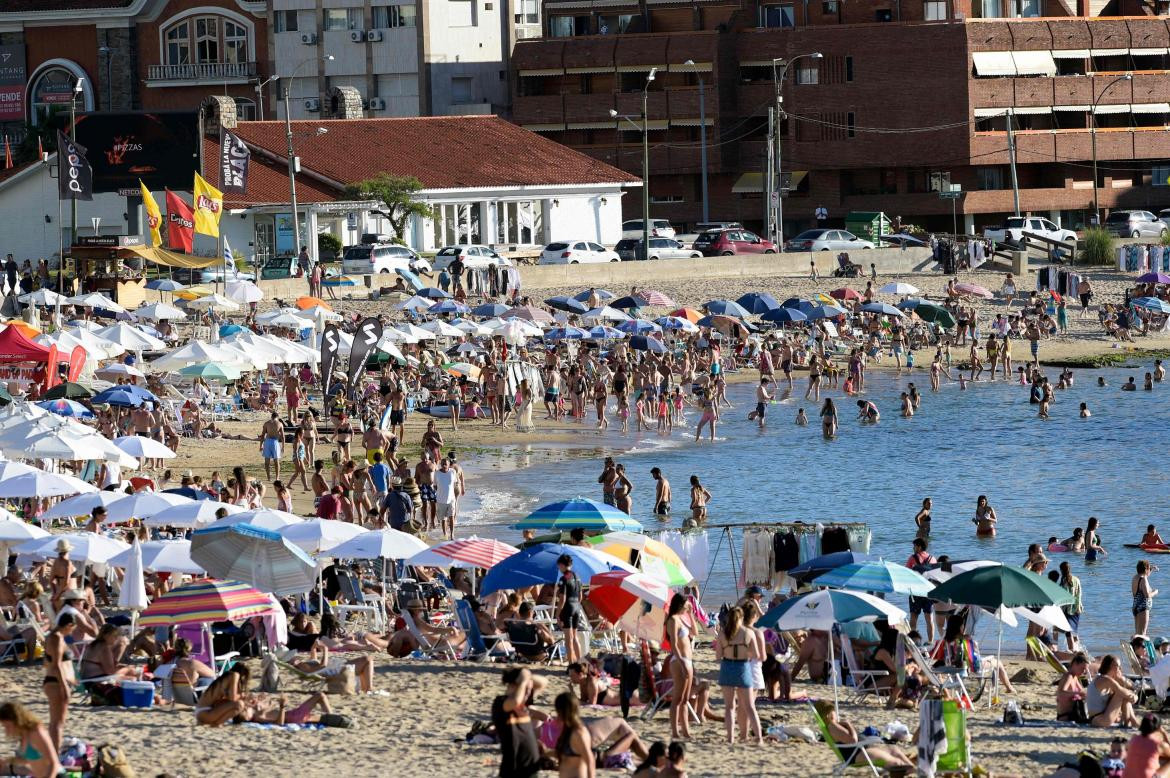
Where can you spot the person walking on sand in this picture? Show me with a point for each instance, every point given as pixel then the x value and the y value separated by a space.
pixel 700 497
pixel 661 492
pixel 271 438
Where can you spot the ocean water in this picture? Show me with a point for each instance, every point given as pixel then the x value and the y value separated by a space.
pixel 1043 477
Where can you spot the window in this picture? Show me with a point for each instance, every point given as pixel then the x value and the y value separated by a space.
pixel 849 68
pixel 808 75
pixel 851 126
pixel 245 109
pixel 334 19
pixel 829 7
pixel 204 40
pixel 1160 176
pixel 387 16
pixel 782 16
pixel 990 177
pixel 609 25
pixel 462 89
pixel 461 13
pixel 235 42
pixel 179 44
pixel 883 15
pixel 1025 9
pixel 568 26
pixel 527 12
pixel 989 9
pixel 285 21
pixel 934 10
pixel 207 39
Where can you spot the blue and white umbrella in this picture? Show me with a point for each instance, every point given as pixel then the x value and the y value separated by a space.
pixel 638 327
pixel 566 304
pixel 784 315
pixel 64 407
pixel 881 576
pixel 602 294
pixel 537 565
pixel 1151 304
pixel 643 343
pixel 566 333
pixel 726 308
pixel 578 512
pixel 165 285
pixel 260 557
pixel 883 308
pixel 449 306
pixel 676 323
pixel 410 278
pixel 602 332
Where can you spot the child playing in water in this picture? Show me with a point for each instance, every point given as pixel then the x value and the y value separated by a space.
pixel 623 409
pixel 801 419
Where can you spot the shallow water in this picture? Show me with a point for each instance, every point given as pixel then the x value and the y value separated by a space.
pixel 1044 477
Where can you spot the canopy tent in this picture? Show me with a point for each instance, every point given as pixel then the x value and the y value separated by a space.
pixel 161 256
pixel 15 346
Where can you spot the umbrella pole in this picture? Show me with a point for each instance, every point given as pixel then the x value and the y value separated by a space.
pixel 995 677
pixel 833 671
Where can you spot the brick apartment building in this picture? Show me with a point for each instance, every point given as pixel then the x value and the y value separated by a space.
pixel 906 89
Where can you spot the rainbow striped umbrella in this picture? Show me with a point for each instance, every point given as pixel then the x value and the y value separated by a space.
pixel 465 552
pixel 205 601
pixel 655 558
pixel 579 512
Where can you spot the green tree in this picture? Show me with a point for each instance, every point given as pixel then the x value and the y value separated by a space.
pixel 328 245
pixel 398 196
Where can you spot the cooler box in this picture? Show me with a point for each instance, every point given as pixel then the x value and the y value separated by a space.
pixel 137 694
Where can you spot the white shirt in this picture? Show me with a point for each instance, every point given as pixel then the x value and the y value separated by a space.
pixel 445 483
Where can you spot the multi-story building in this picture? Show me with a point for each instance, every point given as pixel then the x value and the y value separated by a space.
pixel 127 54
pixel 402 58
pixel 907 96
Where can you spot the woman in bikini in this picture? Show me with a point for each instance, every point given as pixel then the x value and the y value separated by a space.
pixel 600 394
pixel 100 658
pixel 36 754
pixel 309 428
pixel 574 747
pixel 58 676
pixel 922 519
pixel 985 518
pixel 342 435
pixel 733 648
pixel 224 699
pixel 682 667
pixel 829 419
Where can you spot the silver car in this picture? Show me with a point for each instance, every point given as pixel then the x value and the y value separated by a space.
pixel 659 228
pixel 826 240
pixel 1135 224
pixel 660 248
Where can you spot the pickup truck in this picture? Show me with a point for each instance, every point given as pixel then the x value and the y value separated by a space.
pixel 1013 229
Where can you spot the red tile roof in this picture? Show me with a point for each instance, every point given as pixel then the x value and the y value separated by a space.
pixel 267 182
pixel 443 152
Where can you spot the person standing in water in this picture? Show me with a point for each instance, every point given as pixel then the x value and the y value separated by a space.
pixel 699 499
pixel 985 518
pixel 1093 547
pixel 922 519
pixel 661 493
pixel 1143 597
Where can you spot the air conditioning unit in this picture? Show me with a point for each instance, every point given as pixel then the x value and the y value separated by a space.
pixel 523 33
pixel 357 36
pixel 309 38
pixel 377 104
pixel 313 105
pixel 374 35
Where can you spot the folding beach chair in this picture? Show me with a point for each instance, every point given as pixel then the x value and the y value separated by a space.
pixel 526 640
pixel 660 689
pixel 1039 649
pixel 357 601
pixel 942 678
pixel 956 758
pixel 477 648
pixel 864 681
pixel 1139 676
pixel 442 648
pixel 202 647
pixel 856 752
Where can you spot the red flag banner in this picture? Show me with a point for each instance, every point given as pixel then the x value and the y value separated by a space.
pixel 76 363
pixel 180 223
pixel 51 374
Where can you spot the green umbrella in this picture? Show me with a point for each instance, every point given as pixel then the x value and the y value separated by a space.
pixel 1001 585
pixel 68 390
pixel 212 370
pixel 937 314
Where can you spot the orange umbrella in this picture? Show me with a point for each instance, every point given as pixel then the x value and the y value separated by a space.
pixel 25 328
pixel 307 302
pixel 690 314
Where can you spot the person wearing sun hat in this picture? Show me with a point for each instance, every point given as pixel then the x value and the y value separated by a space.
pixel 63 574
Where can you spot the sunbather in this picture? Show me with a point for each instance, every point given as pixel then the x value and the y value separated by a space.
pixel 1070 691
pixel 100 658
pixel 188 670
pixel 845 736
pixel 363 667
pixel 337 639
pixel 1109 698
pixel 224 700
pixel 601 731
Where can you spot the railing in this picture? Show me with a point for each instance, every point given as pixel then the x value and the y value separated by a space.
pixel 201 71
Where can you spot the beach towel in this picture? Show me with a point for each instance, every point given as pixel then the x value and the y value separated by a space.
pixel 932 736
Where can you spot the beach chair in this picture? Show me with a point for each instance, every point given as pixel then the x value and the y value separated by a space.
pixel 315 680
pixel 864 681
pixel 660 690
pixel 524 638
pixel 202 647
pixel 1039 649
pixel 442 648
pixel 477 648
pixel 956 758
pixel 1138 675
pixel 942 678
pixel 357 601
pixel 857 751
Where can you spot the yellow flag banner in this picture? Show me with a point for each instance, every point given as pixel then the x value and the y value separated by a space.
pixel 208 207
pixel 153 215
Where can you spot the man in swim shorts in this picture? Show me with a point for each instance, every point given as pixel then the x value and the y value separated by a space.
pixel 661 493
pixel 762 398
pixel 374 441
pixel 271 436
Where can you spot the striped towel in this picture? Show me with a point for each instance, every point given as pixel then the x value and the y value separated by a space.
pixel 932 736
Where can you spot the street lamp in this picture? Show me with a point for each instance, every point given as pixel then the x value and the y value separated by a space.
pixel 645 161
pixel 702 135
pixel 779 72
pixel 292 159
pixel 1093 133
pixel 260 94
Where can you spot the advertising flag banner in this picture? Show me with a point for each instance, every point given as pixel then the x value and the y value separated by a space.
pixel 75 180
pixel 330 340
pixel 208 207
pixel 153 215
pixel 369 332
pixel 233 162
pixel 180 223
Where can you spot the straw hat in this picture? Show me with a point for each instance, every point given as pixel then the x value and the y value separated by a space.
pixel 64 546
pixel 73 594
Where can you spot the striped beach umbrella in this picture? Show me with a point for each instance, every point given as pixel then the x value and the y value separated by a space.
pixel 878 576
pixel 578 512
pixel 538 565
pixel 622 598
pixel 655 298
pixel 205 601
pixel 653 557
pixel 465 552
pixel 260 557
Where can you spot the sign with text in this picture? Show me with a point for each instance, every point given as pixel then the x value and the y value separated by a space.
pixel 12 64
pixel 160 149
pixel 12 103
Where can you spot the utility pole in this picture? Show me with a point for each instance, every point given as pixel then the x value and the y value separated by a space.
pixel 1012 159
pixel 292 173
pixel 769 169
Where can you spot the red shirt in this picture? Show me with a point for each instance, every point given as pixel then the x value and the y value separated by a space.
pixel 919 559
pixel 328 507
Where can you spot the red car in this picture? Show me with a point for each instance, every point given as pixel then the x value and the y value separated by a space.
pixel 724 243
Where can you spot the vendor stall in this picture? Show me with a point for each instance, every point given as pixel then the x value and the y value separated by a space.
pixel 115 266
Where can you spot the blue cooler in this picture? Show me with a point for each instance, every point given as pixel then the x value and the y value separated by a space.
pixel 137 694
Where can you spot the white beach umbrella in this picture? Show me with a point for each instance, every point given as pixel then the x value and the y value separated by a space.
pixel 196 513
pixel 160 312
pixel 286 320
pixel 67 443
pixel 81 505
pixel 604 313
pixel 96 300
pixel 898 287
pixel 143 448
pixel 264 518
pixel 318 536
pixel 413 331
pixel 243 292
pixel 95 345
pixel 216 301
pixel 64 342
pixel 130 337
pixel 267 316
pixel 473 328
pixel 379 544
pixel 161 556
pixel 253 358
pixel 319 313
pixel 43 296
pixel 86 547
pixel 389 348
pixel 142 505
pixel 13 530
pixel 120 369
pixel 442 329
pixel 192 353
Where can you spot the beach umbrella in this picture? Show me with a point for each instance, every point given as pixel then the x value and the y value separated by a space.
pixel 433 293
pixel 43 296
pixel 305 302
pixel 148 448
pixel 930 312
pixel 264 518
pixel 564 303
pixel 290 320
pixel 97 300
pixel 160 556
pixel 690 314
pixel 725 308
pixel 816 566
pixel 205 601
pixel 883 308
pixel 1151 303
pixel 626 303
pixel 566 333
pixel 654 557
pixel 974 290
pixel 317 536
pixel 784 315
pixel 638 327
pixel 466 347
pixel 243 292
pixel 463 370
pixel 95 346
pixel 14 530
pixel 644 343
pixel 655 298
pixel 68 442
pixel 379 544
pixel 442 329
pixel 215 301
pixel 192 513
pixel 160 312
pixel 878 576
pixel 537 565
pixel 415 333
pixel 165 285
pixel 211 371
pixel 757 302
pixel 409 277
pixel 528 313
pixel 488 310
pixel 448 306
pixel 66 408
pixel 602 294
pixel 604 313
pixel 132 595
pixel 68 390
pixel 992 585
pixel 635 602
pixel 81 505
pixel 578 512
pixel 898 287
pixel 826 312
pixel 676 323
pixel 1152 277
pixel 140 392
pixel 86 547
pixel 261 557
pixel 602 332
pixel 465 552
pixel 142 505
pixel 728 325
pixel 119 370
pixel 195 352
pixel 799 304
pixel 845 293
pixel 120 396
pixel 515 332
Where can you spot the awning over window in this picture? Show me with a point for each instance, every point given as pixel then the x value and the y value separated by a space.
pixel 1112 108
pixel 1070 108
pixel 753 182
pixel 983 113
pixel 1149 52
pixel 1032 110
pixel 994 63
pixel 1070 54
pixel 1034 63
pixel 1109 52
pixel 1150 108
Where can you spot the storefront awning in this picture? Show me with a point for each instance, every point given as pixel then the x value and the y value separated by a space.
pixel 1150 108
pixel 984 113
pixel 1149 52
pixel 1032 110
pixel 1109 52
pixel 1034 63
pixel 1112 108
pixel 1070 108
pixel 1070 54
pixel 994 63
pixel 161 256
pixel 753 182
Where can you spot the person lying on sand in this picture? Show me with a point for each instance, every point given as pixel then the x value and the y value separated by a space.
pixel 845 735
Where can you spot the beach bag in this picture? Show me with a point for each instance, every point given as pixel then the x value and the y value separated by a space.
pixel 339 720
pixel 270 676
pixel 1079 712
pixel 343 683
pixel 112 763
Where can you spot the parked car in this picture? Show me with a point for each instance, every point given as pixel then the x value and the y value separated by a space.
pixel 660 248
pixel 1135 224
pixel 281 267
pixel 576 252
pixel 211 275
pixel 1164 216
pixel 467 251
pixel 708 226
pixel 826 240
pixel 370 259
pixel 1014 227
pixel 659 228
pixel 724 243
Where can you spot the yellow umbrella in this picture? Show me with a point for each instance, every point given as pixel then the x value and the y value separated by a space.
pixel 655 558
pixel 821 297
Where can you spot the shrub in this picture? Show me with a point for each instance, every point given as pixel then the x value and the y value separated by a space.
pixel 1097 247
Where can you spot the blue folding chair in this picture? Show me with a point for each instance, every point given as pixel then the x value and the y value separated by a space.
pixel 476 647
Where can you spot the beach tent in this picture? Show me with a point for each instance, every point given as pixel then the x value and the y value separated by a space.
pixel 15 346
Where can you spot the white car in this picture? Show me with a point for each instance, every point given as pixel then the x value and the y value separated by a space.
pixel 576 252
pixel 1014 228
pixel 659 228
pixel 467 251
pixel 368 260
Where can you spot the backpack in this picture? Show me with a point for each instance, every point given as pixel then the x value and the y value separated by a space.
pixel 270 675
pixel 112 763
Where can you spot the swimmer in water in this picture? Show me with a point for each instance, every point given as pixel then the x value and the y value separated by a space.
pixel 1085 411
pixel 1129 386
pixel 1152 538
pixel 907 406
pixel 1159 371
pixel 985 518
pixel 1100 380
pixel 962 383
pixel 868 412
pixel 801 419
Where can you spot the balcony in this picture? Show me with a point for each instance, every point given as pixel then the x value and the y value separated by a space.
pixel 200 73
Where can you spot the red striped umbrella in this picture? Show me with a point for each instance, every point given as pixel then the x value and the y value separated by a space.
pixel 655 298
pixel 465 552
pixel 206 600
